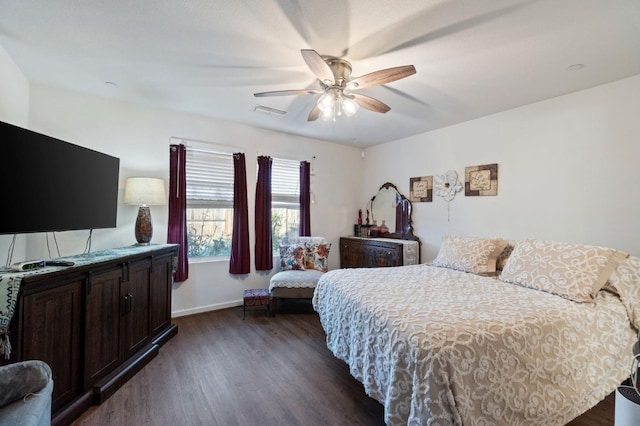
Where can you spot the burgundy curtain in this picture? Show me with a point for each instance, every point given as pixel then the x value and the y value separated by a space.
pixel 177 224
pixel 240 262
pixel 305 199
pixel 264 242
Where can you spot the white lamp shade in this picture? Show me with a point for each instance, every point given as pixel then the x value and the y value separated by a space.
pixel 144 191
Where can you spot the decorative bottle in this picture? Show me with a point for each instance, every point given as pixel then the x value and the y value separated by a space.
pixel 374 230
pixel 384 228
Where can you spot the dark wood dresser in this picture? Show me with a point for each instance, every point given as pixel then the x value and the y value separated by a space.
pixel 95 323
pixel 357 252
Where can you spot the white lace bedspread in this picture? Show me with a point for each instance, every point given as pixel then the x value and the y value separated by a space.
pixel 440 347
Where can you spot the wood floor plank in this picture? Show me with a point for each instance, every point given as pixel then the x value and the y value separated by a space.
pixel 222 370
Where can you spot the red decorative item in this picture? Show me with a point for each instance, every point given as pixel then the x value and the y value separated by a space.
pixel 360 217
pixel 374 231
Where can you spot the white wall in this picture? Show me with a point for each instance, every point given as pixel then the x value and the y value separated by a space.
pixel 140 137
pixel 14 109
pixel 568 171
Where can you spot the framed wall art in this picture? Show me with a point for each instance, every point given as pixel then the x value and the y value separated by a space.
pixel 421 189
pixel 481 180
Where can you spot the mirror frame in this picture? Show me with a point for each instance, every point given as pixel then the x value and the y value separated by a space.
pixel 406 231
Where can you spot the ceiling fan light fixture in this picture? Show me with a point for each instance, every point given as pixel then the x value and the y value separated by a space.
pixel 334 76
pixel 333 103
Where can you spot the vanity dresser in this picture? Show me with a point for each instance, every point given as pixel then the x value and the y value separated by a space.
pixel 358 252
pixel 397 247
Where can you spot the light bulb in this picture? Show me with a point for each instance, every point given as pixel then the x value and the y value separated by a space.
pixel 326 101
pixel 349 106
pixel 327 114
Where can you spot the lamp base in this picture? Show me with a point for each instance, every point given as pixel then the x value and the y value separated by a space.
pixel 144 226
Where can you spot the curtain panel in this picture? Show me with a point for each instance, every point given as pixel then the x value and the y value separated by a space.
pixel 240 262
pixel 177 221
pixel 264 237
pixel 305 199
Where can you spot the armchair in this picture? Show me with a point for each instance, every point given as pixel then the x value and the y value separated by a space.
pixel 303 260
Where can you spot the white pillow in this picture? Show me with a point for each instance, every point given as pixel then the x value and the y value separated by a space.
pixel 573 271
pixel 470 254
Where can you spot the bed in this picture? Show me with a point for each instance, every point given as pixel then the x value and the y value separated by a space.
pixel 439 345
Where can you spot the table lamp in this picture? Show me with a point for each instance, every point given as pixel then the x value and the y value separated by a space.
pixel 145 192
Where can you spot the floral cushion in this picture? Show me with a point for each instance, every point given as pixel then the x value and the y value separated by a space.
pixel 315 253
pixel 572 271
pixel 292 258
pixel 317 256
pixel 470 254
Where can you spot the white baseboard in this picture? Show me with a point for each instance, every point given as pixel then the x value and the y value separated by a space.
pixel 201 309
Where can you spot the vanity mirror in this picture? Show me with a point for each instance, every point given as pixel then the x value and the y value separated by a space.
pixel 390 206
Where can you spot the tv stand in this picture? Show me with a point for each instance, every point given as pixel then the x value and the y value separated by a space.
pixel 96 323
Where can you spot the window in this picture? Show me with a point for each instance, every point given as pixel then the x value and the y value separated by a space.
pixel 209 203
pixel 285 200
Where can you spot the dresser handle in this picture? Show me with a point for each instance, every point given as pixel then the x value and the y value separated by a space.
pixel 389 253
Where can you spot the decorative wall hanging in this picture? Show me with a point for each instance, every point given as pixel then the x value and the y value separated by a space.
pixel 421 189
pixel 481 180
pixel 447 186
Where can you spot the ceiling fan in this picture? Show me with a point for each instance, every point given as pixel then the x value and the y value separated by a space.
pixel 337 85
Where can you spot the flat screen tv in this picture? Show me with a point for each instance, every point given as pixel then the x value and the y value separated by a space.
pixel 52 185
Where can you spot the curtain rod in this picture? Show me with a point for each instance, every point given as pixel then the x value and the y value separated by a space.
pixel 216 148
pixel 284 156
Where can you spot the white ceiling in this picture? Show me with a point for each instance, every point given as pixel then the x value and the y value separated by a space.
pixel 473 57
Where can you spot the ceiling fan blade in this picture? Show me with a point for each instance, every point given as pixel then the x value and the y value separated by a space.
pixel 385 76
pixel 318 66
pixel 314 114
pixel 287 93
pixel 370 103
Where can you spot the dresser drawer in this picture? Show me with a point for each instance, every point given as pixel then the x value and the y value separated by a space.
pixel 369 253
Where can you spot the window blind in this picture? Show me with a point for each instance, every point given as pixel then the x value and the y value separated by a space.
pixel 209 179
pixel 285 182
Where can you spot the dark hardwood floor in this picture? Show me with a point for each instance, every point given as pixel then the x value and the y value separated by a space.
pixel 221 370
